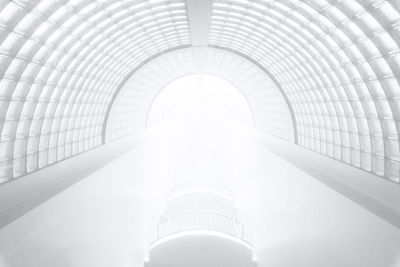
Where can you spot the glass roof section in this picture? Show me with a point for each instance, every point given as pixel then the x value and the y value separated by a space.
pixel 338 63
pixel 332 71
pixel 130 110
pixel 60 64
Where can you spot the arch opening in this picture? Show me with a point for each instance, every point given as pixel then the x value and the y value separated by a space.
pixel 270 112
pixel 200 103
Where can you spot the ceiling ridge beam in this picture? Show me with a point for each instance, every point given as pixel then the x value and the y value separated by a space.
pixel 199 15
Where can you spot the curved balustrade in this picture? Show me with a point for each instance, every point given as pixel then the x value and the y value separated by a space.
pixel 201 220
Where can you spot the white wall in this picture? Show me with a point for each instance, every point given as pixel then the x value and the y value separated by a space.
pixel 109 218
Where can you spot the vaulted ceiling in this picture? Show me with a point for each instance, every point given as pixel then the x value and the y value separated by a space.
pixel 333 66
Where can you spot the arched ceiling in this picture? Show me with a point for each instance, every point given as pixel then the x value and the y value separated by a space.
pixel 129 112
pixel 60 63
pixel 336 61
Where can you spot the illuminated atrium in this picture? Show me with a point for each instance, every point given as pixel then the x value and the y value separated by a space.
pixel 258 132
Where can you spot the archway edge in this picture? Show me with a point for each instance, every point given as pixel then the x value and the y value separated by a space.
pixel 186 75
pixel 166 53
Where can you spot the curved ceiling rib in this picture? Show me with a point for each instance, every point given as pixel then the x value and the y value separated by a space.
pixel 60 63
pixel 271 112
pixel 338 62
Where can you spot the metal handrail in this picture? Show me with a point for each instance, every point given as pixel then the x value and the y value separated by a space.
pixel 201 220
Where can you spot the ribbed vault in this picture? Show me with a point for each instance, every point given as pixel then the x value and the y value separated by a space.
pixel 62 63
pixel 271 113
pixel 338 62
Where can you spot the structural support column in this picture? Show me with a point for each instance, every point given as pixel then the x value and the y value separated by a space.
pixel 199 13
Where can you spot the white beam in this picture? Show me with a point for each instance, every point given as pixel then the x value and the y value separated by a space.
pixel 199 13
pixel 378 195
pixel 23 194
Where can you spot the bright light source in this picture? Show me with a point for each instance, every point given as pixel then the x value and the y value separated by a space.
pixel 201 103
pixel 198 117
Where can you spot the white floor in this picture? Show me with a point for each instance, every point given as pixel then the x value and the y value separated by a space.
pixel 110 218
